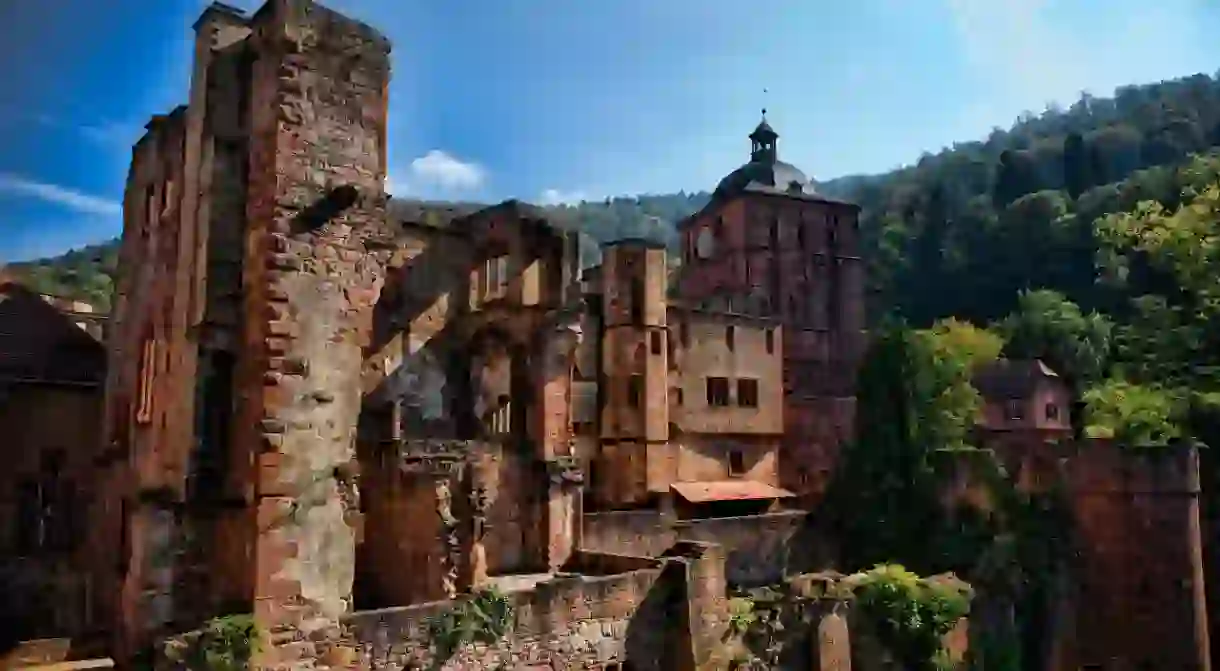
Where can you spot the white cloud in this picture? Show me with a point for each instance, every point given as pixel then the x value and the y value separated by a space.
pixel 439 169
pixel 392 184
pixel 557 197
pixel 52 193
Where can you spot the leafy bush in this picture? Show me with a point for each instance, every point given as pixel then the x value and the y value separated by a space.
pixel 484 617
pixel 910 614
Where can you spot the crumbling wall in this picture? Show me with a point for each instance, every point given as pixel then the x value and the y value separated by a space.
pixel 1139 567
pixel 315 253
pixel 566 622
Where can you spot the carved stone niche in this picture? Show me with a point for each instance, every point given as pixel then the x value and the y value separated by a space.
pixel 565 471
pixel 434 457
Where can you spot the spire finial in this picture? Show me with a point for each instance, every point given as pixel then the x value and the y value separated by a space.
pixel 764 109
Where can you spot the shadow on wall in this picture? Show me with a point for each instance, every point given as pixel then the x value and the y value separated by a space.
pixel 651 630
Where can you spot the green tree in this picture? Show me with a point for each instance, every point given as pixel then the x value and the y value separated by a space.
pixel 1077 168
pixel 1132 414
pixel 884 496
pixel 1048 326
pixel 957 347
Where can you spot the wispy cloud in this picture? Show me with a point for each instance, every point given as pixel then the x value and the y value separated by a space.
pixel 558 197
pixel 108 134
pixel 1028 54
pixel 111 134
pixel 1026 58
pixel 59 195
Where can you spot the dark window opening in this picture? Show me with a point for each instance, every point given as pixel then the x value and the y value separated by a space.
pixel 747 393
pixel 770 341
pixel 1052 412
pixel 730 338
pixel 677 395
pixel 635 390
pixel 637 302
pixel 800 236
pixel 718 392
pixel 214 426
pixel 684 334
pixel 655 338
pixel 737 463
pixel 1016 410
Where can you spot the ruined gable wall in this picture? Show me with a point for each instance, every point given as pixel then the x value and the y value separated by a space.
pixel 316 210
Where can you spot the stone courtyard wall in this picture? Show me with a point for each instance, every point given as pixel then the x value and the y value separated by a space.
pixel 570 621
pixel 759 549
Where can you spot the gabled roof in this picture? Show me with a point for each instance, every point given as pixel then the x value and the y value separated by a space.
pixel 1011 379
pixel 39 343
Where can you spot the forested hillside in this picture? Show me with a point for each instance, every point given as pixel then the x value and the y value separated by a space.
pixel 962 231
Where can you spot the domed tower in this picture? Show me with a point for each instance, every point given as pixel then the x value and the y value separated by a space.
pixel 769 244
pixel 635 367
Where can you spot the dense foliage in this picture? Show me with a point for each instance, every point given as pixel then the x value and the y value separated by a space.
pixel 82 274
pixel 909 614
pixel 902 420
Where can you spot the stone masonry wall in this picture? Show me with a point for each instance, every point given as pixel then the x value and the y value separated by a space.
pixel 316 214
pixel 567 622
pixel 759 549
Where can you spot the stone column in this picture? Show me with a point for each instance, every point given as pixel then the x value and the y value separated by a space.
pixel 557 357
pixel 832 645
pixel 444 464
pixel 315 208
pixel 562 510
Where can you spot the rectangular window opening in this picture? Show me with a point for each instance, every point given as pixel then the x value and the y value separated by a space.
pixel 737 463
pixel 718 392
pixel 747 393
pixel 635 391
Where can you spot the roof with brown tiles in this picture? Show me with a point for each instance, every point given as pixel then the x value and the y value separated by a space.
pixel 39 343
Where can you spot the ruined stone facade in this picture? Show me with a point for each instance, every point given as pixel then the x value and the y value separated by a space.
pixel 340 412
pixel 323 401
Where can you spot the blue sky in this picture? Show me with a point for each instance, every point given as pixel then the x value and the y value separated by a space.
pixel 549 100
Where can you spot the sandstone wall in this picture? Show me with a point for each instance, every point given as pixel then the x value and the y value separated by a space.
pixel 1132 549
pixel 314 260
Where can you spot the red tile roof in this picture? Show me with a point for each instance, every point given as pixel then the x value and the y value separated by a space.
pixel 728 490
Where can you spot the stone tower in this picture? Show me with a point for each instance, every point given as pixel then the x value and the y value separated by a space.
pixel 635 409
pixel 315 199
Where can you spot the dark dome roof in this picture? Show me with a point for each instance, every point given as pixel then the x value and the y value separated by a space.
pixel 768 176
